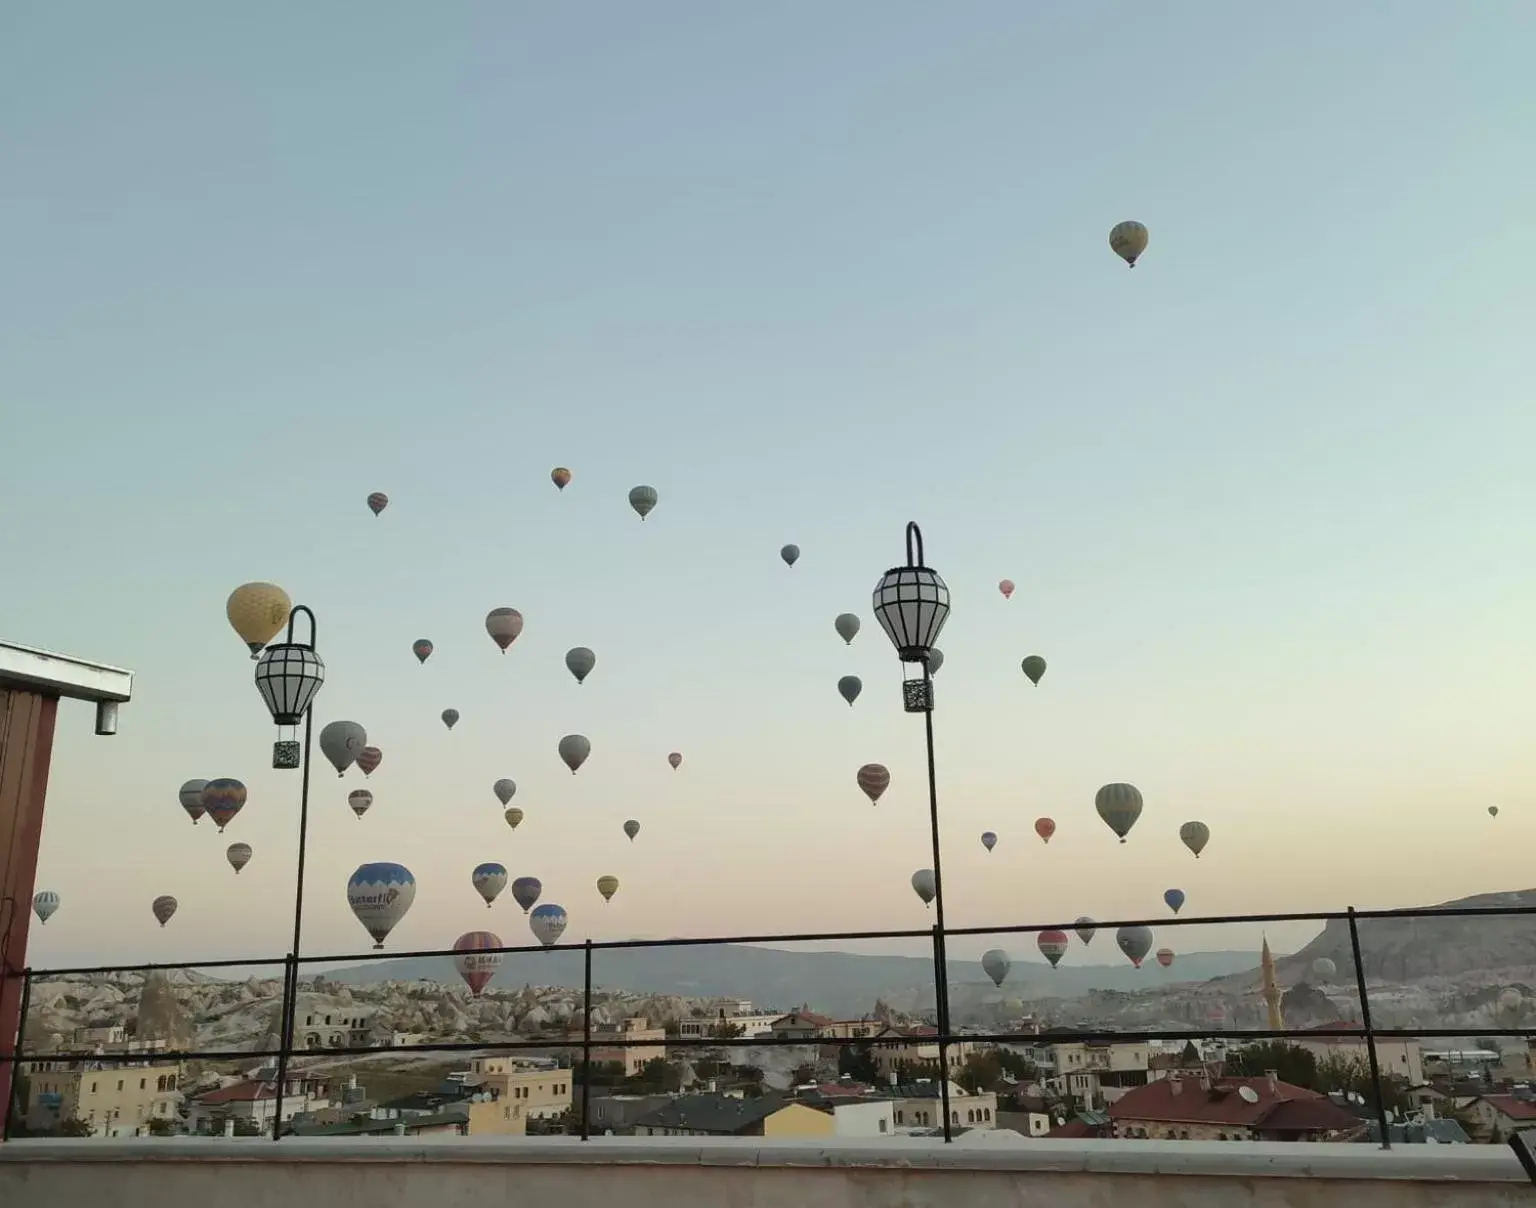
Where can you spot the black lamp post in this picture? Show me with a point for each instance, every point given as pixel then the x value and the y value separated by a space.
pixel 288 675
pixel 912 603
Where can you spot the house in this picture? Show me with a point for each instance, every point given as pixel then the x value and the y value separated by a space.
pixel 1417 1132
pixel 897 1050
pixel 319 1024
pixel 799 1025
pixel 530 1092
pixel 254 1101
pixel 863 1118
pixel 722 1023
pixel 1095 1072
pixel 629 1044
pixel 1496 1117
pixel 114 1101
pixel 1398 1058
pixel 1026 1124
pixel 721 1116
pixel 1232 1109
pixel 920 1105
pixel 1083 1126
pixel 617 1114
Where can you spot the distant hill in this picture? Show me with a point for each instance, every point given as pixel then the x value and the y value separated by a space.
pixel 838 983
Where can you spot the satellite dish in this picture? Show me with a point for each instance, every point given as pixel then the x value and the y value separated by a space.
pixel 1247 1094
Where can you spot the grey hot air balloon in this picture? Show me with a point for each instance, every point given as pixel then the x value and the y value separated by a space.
pixel 45 902
pixel 847 626
pixel 1085 928
pixel 504 625
pixel 989 839
pixel 574 749
pixel 1034 667
pixel 1493 812
pixel 579 661
pixel 790 554
pixel 238 855
pixel 1128 240
pixel 504 789
pixel 995 964
pixel 1135 942
pixel 1195 835
pixel 642 499
pixel 450 718
pixel 340 741
pixel 631 828
pixel 874 779
pixel 922 884
pixel 935 660
pixel 1119 805
pixel 526 891
pixel 849 688
pixel 191 798
pixel 1324 969
pixel 163 907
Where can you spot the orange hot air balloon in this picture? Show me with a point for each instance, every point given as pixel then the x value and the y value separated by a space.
pixel 1045 828
pixel 874 779
pixel 560 476
pixel 1006 587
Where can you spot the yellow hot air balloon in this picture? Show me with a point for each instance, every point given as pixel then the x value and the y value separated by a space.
pixel 1128 240
pixel 258 611
pixel 607 886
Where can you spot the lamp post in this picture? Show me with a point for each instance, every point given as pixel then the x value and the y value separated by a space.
pixel 911 603
pixel 288 675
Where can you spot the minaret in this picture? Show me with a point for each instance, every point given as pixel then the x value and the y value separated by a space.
pixel 1271 990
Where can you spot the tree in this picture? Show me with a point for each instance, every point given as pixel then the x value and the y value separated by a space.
pixel 75 1128
pixel 163 1128
pixel 657 1076
pixel 727 1029
pixel 1290 1062
pixel 1350 1074
pixel 858 1063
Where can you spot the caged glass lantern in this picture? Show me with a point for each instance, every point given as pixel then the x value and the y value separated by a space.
pixel 911 603
pixel 288 675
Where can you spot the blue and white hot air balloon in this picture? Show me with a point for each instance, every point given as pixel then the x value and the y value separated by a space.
pixel 1174 898
pixel 45 903
pixel 489 880
pixel 526 891
pixel 379 895
pixel 548 923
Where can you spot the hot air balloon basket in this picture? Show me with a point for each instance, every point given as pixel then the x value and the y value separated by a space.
pixel 285 754
pixel 917 696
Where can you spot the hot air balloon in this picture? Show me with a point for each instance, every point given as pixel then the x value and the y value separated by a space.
pixel 513 817
pixel 988 840
pixel 1195 835
pixel 163 908
pixel 935 660
pixel 191 798
pixel 223 798
pixel 1493 811
pixel 561 477
pixel 675 759
pixel 238 855
pixel 790 554
pixel 607 886
pixel 1128 240
pixel 1086 928
pixel 359 800
pixel 1119 805
pixel 547 923
pixel 1045 828
pixel 379 895
pixel 849 688
pixel 874 779
pixel 1174 898
pixel 574 749
pixel 504 789
pixel 1135 942
pixel 422 649
pixel 476 965
pixel 1053 946
pixel 923 884
pixel 1006 587
pixel 450 718
pixel 847 626
pixel 489 880
pixel 579 661
pixel 257 611
pixel 503 624
pixel 368 760
pixel 377 502
pixel 44 904
pixel 340 742
pixel 1510 999
pixel 1034 667
pixel 631 828
pixel 526 891
pixel 995 964
pixel 1324 969
pixel 642 499
pixel 1165 957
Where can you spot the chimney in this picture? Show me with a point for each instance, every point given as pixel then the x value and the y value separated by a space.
pixel 1175 1085
pixel 229 1127
pixel 1274 1081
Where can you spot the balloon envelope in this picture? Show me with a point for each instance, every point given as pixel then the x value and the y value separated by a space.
pixel 1493 811
pixel 547 922
pixel 995 964
pixel 847 626
pixel 513 816
pixel 44 903
pixel 1324 969
pixel 1034 667
pixel 422 649
pixel 1135 942
pixel 238 855
pixel 642 499
pixel 675 759
pixel 191 797
pixel 790 554
pixel 163 908
pixel 988 840
pixel 377 502
pixel 1053 946
pixel 1165 957
pixel 631 828
pixel 1174 899
pixel 1195 835
pixel 503 624
pixel 489 880
pixel 923 885
pixel 359 800
pixel 223 799
pixel 340 742
pixel 579 661
pixel 935 660
pixel 607 886
pixel 450 718
pixel 526 891
pixel 560 476
pixel 475 965
pixel 1128 240
pixel 1006 587
pixel 504 789
pixel 1119 805
pixel 1045 828
pixel 849 688
pixel 368 760
pixel 574 749
pixel 257 611
pixel 874 779
pixel 379 895
pixel 1085 928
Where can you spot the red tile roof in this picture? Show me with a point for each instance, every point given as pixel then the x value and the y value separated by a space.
pixel 1072 1130
pixel 808 1018
pixel 1183 1101
pixel 1514 1108
pixel 240 1092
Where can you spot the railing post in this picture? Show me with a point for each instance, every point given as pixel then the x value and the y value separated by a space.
pixel 15 1057
pixel 285 1040
pixel 1370 1034
pixel 941 1013
pixel 586 1046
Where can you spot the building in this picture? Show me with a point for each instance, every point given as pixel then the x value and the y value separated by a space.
pixel 1398 1058
pixel 112 1100
pixel 1095 1072
pixel 253 1102
pixel 868 1118
pixel 897 1050
pixel 529 1092
pixel 920 1105
pixel 629 1044
pixel 799 1025
pixel 749 1023
pixel 1232 1109
pixel 722 1116
pixel 617 1114
pixel 319 1024
pixel 1497 1117
pixel 1270 991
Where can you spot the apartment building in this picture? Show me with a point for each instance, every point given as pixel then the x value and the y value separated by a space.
pixel 113 1100
pixel 1094 1073
pixel 1398 1058
pixel 750 1023
pixel 920 1105
pixel 526 1091
pixel 897 1049
pixel 629 1044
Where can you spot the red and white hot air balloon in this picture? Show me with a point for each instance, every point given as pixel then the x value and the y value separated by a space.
pixel 1053 946
pixel 475 965
pixel 1045 828
pixel 368 759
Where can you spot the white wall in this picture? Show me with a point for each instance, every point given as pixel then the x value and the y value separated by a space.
pixel 864 1119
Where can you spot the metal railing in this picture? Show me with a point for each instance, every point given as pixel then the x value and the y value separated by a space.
pixel 942 1039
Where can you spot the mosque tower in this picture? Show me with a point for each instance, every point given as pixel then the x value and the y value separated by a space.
pixel 1271 991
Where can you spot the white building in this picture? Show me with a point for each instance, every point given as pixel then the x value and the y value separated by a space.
pixel 876 1118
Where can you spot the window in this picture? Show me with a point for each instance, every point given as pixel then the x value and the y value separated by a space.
pixel 93 1088
pixel 970 1117
pixel 986 1113
pixel 143 1082
pixel 119 1084
pixel 898 1115
pixel 882 1125
pixel 954 1117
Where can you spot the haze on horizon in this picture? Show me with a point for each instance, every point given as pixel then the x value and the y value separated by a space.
pixel 811 272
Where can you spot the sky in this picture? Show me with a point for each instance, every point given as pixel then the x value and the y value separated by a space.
pixel 811 271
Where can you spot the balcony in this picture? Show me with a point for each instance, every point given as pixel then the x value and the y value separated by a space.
pixel 681 1172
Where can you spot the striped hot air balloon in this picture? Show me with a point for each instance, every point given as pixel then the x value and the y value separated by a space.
pixel 1053 946
pixel 223 799
pixel 874 779
pixel 475 964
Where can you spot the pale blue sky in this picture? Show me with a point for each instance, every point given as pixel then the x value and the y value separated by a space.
pixel 811 270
